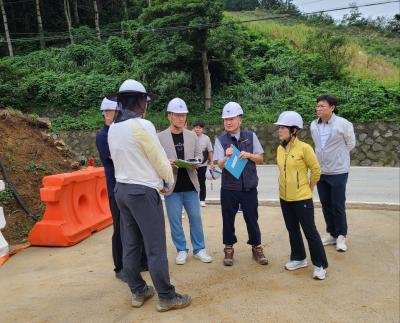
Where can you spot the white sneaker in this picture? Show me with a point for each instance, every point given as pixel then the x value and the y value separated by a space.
pixel 202 256
pixel 181 258
pixel 319 273
pixel 202 203
pixel 296 264
pixel 328 239
pixel 341 243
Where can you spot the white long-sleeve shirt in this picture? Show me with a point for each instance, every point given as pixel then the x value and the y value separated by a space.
pixel 138 155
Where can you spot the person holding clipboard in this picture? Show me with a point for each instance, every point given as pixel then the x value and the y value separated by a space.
pixel 183 151
pixel 237 152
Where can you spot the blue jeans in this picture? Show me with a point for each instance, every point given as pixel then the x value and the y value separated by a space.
pixel 189 200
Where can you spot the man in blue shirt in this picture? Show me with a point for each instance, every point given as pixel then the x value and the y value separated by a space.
pixel 108 108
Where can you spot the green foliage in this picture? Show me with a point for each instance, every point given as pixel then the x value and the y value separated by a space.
pixel 239 5
pixel 33 167
pixel 332 50
pixel 6 196
pixel 265 73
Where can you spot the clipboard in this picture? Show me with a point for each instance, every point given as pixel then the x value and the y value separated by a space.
pixel 234 165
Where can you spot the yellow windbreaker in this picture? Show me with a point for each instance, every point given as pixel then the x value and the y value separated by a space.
pixel 293 171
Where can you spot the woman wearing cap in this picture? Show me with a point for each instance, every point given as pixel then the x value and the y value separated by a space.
pixel 295 158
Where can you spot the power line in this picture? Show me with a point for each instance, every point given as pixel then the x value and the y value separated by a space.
pixel 203 26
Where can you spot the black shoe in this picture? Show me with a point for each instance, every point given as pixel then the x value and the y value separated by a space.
pixel 121 276
pixel 179 301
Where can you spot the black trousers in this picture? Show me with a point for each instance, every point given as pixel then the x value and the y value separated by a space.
pixel 142 222
pixel 230 201
pixel 201 174
pixel 116 239
pixel 302 213
pixel 332 194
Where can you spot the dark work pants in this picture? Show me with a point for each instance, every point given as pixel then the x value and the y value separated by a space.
pixel 116 239
pixel 142 221
pixel 201 174
pixel 302 213
pixel 332 194
pixel 230 201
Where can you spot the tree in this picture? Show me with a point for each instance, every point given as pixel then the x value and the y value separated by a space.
pixel 40 25
pixel 96 19
pixel 181 41
pixel 76 13
pixel 68 17
pixel 3 12
pixel 239 5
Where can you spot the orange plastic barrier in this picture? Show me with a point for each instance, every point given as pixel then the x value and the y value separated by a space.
pixel 76 206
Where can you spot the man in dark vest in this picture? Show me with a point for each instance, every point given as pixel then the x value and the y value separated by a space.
pixel 241 191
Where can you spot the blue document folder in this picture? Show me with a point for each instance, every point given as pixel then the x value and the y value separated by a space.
pixel 234 165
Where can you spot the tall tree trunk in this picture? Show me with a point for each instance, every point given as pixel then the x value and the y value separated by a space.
pixel 76 13
pixel 68 17
pixel 40 25
pixel 96 19
pixel 125 7
pixel 3 12
pixel 207 80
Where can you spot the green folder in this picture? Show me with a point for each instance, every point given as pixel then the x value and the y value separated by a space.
pixel 180 163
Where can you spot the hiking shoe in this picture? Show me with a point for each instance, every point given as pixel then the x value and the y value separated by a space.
pixel 228 258
pixel 258 255
pixel 202 256
pixel 296 264
pixel 328 239
pixel 341 243
pixel 139 298
pixel 319 273
pixel 181 258
pixel 179 301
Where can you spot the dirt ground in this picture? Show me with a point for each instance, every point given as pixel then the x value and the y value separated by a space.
pixel 77 284
pixel 28 155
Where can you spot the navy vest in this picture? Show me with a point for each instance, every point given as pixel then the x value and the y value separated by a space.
pixel 249 179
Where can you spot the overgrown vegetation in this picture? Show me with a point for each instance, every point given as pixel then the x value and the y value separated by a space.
pixel 267 66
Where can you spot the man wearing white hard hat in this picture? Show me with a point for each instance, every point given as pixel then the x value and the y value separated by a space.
pixel 241 191
pixel 180 143
pixel 141 168
pixel 107 108
pixel 295 160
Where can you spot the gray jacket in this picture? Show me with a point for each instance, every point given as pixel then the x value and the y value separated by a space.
pixel 334 158
pixel 191 147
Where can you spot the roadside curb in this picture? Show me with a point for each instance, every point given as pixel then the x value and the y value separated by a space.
pixel 349 205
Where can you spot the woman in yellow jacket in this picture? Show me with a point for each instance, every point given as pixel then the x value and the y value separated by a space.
pixel 294 159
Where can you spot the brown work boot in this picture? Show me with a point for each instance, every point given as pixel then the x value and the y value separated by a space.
pixel 258 255
pixel 228 259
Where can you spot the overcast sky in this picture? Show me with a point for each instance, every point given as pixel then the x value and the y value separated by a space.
pixel 387 10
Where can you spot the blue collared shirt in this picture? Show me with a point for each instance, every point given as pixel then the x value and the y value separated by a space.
pixel 105 157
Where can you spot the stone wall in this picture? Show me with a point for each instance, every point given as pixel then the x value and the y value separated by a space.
pixel 378 144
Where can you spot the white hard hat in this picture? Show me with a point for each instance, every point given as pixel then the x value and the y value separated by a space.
pixel 177 105
pixel 107 104
pixel 133 87
pixel 290 119
pixel 231 110
pixel 212 174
